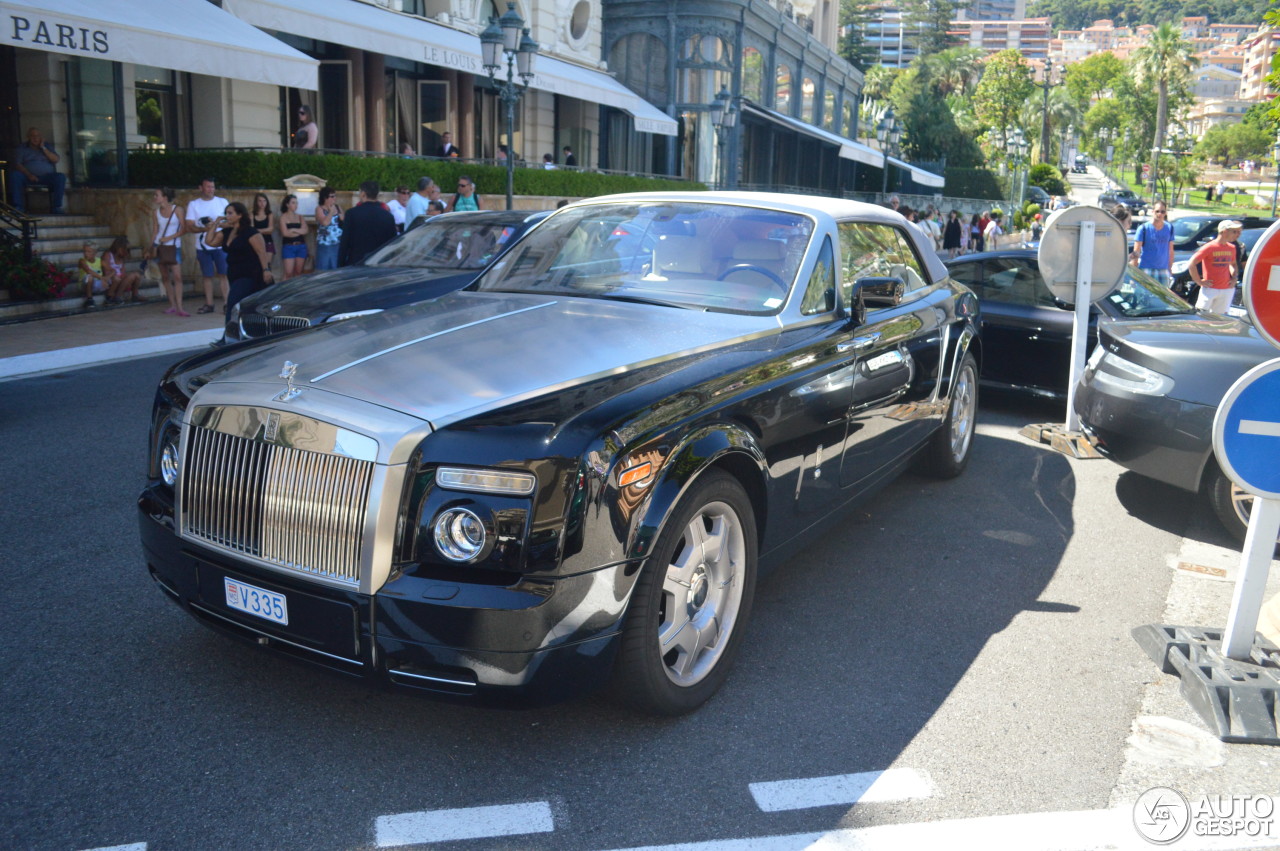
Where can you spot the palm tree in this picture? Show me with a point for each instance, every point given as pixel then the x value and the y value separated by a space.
pixel 955 70
pixel 1165 61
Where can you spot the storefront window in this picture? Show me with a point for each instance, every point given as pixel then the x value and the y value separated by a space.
pixel 156 103
pixel 640 61
pixel 829 116
pixel 808 89
pixel 91 101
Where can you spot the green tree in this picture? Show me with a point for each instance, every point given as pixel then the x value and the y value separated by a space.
pixel 1165 62
pixel 929 23
pixel 955 70
pixel 1091 78
pixel 929 128
pixel 855 16
pixel 1214 146
pixel 1005 86
pixel 1048 178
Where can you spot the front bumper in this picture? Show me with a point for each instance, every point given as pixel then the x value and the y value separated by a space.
pixel 1161 438
pixel 532 644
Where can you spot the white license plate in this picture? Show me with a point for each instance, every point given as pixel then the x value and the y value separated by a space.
pixel 256 601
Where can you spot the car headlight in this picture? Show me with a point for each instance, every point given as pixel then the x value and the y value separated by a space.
pixel 460 535
pixel 338 317
pixel 1114 371
pixel 169 459
pixel 1179 267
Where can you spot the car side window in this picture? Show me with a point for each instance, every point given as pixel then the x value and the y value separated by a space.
pixel 871 250
pixel 1010 280
pixel 969 274
pixel 820 294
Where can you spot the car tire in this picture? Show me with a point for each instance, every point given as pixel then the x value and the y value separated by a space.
pixel 948 451
pixel 1230 502
pixel 691 604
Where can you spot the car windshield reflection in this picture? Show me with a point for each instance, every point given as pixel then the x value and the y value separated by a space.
pixel 696 256
pixel 445 244
pixel 1139 295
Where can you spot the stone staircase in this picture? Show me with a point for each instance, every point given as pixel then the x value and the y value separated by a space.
pixel 60 240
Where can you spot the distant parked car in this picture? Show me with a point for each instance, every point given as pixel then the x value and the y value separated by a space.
pixel 1081 165
pixel 1027 331
pixel 1149 396
pixel 1191 232
pixel 1136 203
pixel 1037 195
pixel 443 254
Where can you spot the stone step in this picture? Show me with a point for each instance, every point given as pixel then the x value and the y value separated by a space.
pixel 71 259
pixel 73 302
pixel 98 235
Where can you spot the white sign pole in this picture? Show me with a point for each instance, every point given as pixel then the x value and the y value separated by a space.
pixel 1255 562
pixel 1080 337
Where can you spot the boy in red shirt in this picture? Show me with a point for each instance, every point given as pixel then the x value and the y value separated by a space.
pixel 1220 272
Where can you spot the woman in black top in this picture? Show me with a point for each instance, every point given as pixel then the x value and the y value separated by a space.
pixel 264 221
pixel 952 240
pixel 248 264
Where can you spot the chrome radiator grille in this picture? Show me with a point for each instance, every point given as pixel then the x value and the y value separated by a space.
pixel 297 509
pixel 257 325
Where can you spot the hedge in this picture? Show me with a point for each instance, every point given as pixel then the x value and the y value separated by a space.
pixel 260 169
pixel 974 183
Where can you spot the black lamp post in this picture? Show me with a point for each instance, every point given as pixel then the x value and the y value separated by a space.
pixel 724 115
pixel 888 132
pixel 1044 122
pixel 509 37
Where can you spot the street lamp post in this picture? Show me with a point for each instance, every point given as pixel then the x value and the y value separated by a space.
pixel 1275 190
pixel 509 37
pixel 1044 121
pixel 888 132
pixel 1016 146
pixel 724 115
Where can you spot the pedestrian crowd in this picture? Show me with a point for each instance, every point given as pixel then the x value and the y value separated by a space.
pixel 956 236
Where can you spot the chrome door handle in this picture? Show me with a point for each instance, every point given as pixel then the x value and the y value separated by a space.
pixel 857 344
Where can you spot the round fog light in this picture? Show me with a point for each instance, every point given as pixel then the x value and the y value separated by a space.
pixel 460 534
pixel 169 462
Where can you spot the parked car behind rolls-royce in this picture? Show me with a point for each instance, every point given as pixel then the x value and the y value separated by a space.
pixel 442 254
pixel 567 473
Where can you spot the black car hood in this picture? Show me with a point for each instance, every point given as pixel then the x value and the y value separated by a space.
pixel 1203 354
pixel 323 294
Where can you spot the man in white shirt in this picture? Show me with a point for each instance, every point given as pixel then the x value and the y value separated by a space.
pixel 418 201
pixel 397 207
pixel 205 208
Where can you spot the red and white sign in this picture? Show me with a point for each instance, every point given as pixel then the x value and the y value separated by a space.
pixel 1262 285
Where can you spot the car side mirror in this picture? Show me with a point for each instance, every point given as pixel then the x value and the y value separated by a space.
pixel 874 292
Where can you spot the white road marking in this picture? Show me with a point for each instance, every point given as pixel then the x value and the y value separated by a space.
pixel 1262 427
pixel 895 784
pixel 1087 830
pixel 137 846
pixel 467 823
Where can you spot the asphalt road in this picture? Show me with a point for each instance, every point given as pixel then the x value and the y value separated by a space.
pixel 972 633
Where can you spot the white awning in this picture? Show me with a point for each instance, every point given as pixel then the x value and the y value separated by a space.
pixel 180 35
pixel 392 34
pixel 919 175
pixel 850 149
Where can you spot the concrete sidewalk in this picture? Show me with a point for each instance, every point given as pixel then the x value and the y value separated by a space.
pixel 100 336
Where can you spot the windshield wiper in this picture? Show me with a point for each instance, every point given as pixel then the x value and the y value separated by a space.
pixel 640 299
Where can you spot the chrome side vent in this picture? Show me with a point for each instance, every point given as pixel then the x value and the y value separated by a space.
pixel 293 508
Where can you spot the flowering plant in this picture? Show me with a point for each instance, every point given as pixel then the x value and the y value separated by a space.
pixel 30 279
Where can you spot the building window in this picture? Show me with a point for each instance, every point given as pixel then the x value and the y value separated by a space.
pixel 580 20
pixel 753 75
pixel 809 90
pixel 782 90
pixel 640 61
pixel 829 117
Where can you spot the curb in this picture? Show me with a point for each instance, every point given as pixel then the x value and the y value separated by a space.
pixel 22 366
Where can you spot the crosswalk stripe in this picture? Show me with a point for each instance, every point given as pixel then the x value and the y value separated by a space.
pixel 1085 830
pixel 137 846
pixel 466 823
pixel 894 784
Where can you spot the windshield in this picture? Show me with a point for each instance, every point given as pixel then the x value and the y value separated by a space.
pixel 1141 295
pixel 445 243
pixel 1184 229
pixel 685 254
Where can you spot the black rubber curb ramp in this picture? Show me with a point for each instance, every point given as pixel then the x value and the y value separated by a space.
pixel 1239 700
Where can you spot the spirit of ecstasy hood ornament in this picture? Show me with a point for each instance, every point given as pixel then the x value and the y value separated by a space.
pixel 290 392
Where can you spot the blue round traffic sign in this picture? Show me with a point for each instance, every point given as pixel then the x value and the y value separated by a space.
pixel 1246 431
